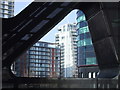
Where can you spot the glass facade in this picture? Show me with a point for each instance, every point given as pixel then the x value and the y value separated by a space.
pixel 41 60
pixel 85 50
pixel 44 60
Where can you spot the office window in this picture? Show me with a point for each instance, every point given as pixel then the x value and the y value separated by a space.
pixel 90 48
pixel 82 24
pixel 91 60
pixel 81 18
pixel 83 30
pixel 88 41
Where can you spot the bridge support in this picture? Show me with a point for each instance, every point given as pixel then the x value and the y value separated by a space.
pixel 104 23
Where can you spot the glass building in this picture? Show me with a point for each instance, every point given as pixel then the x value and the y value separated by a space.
pixel 41 60
pixel 86 54
pixel 6 8
pixel 85 50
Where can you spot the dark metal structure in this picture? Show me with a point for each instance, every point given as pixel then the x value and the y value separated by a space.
pixel 104 27
pixel 22 31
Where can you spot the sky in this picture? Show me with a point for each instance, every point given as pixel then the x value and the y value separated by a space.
pixel 50 36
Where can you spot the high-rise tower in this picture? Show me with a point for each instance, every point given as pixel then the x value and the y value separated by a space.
pixel 6 8
pixel 86 58
pixel 66 40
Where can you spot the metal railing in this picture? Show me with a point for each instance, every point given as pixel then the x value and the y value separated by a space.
pixel 65 83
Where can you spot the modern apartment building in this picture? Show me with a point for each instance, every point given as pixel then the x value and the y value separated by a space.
pixel 41 60
pixel 66 40
pixel 6 8
pixel 86 58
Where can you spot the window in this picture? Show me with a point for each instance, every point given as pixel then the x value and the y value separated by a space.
pixel 39 57
pixel 37 61
pixel 59 29
pixel 83 30
pixel 5 11
pixel 5 16
pixel 63 37
pixel 94 75
pixel 89 48
pixel 81 75
pixel 84 42
pixel 91 60
pixel 36 48
pixel 82 24
pixel 81 18
pixel 37 44
pixel 6 7
pixel 80 13
pixel 10 7
pixel 40 44
pixel 36 56
pixel 37 53
pixel 32 48
pixel 88 41
pixel 89 75
pixel 63 29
